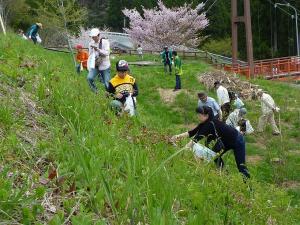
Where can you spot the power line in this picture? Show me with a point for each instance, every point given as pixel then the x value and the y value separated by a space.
pixel 283 10
pixel 209 8
pixel 291 4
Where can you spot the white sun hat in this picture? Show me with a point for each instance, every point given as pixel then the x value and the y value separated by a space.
pixel 94 32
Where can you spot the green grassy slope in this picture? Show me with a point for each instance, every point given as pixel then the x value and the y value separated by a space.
pixel 122 170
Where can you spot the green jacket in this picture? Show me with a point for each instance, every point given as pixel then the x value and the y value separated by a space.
pixel 164 56
pixel 178 66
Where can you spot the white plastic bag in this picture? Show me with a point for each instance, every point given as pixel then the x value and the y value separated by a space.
pixel 203 152
pixel 91 61
pixel 129 105
pixel 38 39
pixel 249 128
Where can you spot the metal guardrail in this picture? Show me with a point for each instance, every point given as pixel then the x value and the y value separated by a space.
pixel 269 68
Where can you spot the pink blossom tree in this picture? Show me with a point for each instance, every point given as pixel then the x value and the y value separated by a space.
pixel 177 27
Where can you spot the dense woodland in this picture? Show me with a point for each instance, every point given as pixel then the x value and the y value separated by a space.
pixel 273 29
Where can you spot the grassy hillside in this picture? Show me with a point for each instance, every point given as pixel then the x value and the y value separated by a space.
pixel 65 158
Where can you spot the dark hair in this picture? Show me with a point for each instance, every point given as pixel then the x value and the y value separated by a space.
pixel 205 110
pixel 217 83
pixel 202 94
pixel 174 53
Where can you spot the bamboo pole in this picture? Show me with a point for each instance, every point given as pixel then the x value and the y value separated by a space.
pixel 2 24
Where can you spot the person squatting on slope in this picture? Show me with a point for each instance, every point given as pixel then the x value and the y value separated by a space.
pixel 33 32
pixel 81 58
pixel 166 56
pixel 237 120
pixel 204 100
pixel 223 99
pixel 98 61
pixel 268 107
pixel 178 71
pixel 237 102
pixel 122 86
pixel 214 129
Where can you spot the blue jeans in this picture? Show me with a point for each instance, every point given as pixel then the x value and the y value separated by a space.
pixel 178 82
pixel 239 152
pixel 93 73
pixel 105 77
pixel 34 39
pixel 91 78
pixel 240 155
pixel 78 68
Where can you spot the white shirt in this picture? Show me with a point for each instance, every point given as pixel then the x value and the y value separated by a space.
pixel 103 53
pixel 267 103
pixel 238 103
pixel 233 121
pixel 139 50
pixel 233 118
pixel 223 96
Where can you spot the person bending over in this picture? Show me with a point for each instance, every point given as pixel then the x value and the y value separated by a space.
pixel 214 129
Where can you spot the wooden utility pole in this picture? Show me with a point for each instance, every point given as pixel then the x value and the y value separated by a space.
pixel 246 19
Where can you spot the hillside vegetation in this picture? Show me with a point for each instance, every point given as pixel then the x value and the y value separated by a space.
pixel 66 158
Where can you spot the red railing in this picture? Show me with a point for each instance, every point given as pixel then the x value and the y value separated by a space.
pixel 269 68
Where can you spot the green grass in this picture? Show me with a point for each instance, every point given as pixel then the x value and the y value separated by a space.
pixel 124 169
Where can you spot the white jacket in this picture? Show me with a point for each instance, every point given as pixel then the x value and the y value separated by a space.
pixel 233 121
pixel 223 96
pixel 267 104
pixel 103 53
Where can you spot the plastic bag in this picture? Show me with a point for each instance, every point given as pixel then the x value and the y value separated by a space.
pixel 130 105
pixel 203 152
pixel 38 39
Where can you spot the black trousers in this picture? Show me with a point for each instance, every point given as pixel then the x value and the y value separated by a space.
pixel 170 66
pixel 239 152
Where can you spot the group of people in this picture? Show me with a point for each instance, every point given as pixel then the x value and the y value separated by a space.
pixel 217 121
pixel 169 58
pixel 227 128
pixel 122 87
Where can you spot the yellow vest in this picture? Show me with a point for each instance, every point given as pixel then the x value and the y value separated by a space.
pixel 123 85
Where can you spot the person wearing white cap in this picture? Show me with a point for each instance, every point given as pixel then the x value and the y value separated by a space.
pixel 268 107
pixel 237 120
pixel 98 62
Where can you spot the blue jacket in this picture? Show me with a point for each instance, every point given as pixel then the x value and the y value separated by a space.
pixel 33 30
